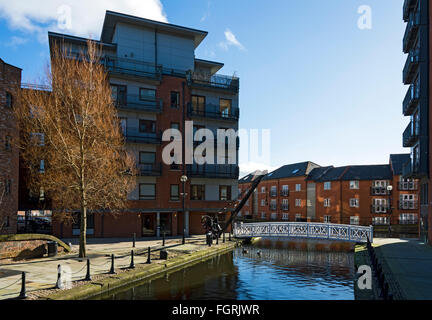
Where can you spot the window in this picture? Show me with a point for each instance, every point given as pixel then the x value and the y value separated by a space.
pixel 174 192
pixel 354 184
pixel 225 107
pixel 118 94
pixel 263 203
pixel 327 202
pixel 327 219
pixel 298 187
pixel 42 166
pixel 263 189
pixel 355 220
pixel 147 94
pixel 8 145
pixel 175 99
pixel 175 125
pixel 273 191
pixel 198 104
pixel 298 202
pixel 197 192
pixel 285 204
pixel 7 222
pixel 147 126
pixel 123 125
pixel 327 185
pixel 147 191
pixel 224 193
pixel 354 203
pixel 274 216
pixel 380 221
pixel 273 204
pixel 147 157
pixel 298 217
pixel 379 205
pixel 284 216
pixel 285 190
pixel 408 218
pixel 407 201
pixel 263 215
pixel 9 100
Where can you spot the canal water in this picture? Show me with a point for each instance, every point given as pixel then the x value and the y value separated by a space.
pixel 267 270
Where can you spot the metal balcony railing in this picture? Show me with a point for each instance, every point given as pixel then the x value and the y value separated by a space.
pixel 408 185
pixel 410 67
pixel 213 111
pixel 380 208
pixel 377 191
pixel 411 31
pixel 149 138
pixel 411 99
pixel 215 81
pixel 227 171
pixel 410 135
pixel 273 193
pixel 135 102
pixel 284 193
pixel 408 205
pixel 408 6
pixel 130 67
pixel 150 169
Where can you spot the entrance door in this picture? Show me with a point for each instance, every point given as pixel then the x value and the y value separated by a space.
pixel 148 225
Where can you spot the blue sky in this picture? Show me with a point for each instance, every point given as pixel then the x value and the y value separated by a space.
pixel 330 92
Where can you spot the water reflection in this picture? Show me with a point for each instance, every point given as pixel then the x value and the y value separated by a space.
pixel 266 273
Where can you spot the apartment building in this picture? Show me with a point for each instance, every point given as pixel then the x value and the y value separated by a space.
pixel 361 195
pixel 10 80
pixel 158 84
pixel 416 104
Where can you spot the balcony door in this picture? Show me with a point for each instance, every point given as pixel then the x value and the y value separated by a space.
pixel 198 104
pixel 148 224
pixel 118 93
pixel 225 107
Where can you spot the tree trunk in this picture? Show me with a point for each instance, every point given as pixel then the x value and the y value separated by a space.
pixel 83 233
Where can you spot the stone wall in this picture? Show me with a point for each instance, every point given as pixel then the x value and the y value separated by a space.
pixel 28 249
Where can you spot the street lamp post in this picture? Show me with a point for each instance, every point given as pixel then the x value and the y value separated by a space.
pixel 183 180
pixel 389 189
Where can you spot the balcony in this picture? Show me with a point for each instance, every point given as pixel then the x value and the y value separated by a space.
pixel 149 138
pixel 411 66
pixel 130 67
pixel 150 169
pixel 379 191
pixel 411 99
pixel 217 81
pixel 284 207
pixel 221 171
pixel 134 102
pixel 380 208
pixel 213 111
pixel 411 31
pixel 408 6
pixel 272 193
pixel 410 135
pixel 408 205
pixel 284 193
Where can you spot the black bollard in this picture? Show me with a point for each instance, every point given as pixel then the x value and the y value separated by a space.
pixel 163 239
pixel 59 284
pixel 23 293
pixel 183 240
pixel 134 240
pixel 229 236
pixel 223 237
pixel 148 256
pixel 132 265
pixel 217 239
pixel 88 277
pixel 112 270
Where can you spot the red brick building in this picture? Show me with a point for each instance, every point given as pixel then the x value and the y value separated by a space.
pixel 158 84
pixel 10 80
pixel 365 195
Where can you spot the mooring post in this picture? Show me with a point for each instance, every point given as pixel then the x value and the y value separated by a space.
pixel 112 271
pixel 132 265
pixel 88 277
pixel 59 284
pixel 148 256
pixel 163 238
pixel 183 240
pixel 217 239
pixel 134 240
pixel 23 293
pixel 223 237
pixel 229 236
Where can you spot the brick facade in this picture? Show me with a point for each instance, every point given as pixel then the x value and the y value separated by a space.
pixel 10 80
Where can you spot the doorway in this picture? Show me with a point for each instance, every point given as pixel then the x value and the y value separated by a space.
pixel 148 225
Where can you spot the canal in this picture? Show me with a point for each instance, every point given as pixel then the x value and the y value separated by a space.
pixel 267 270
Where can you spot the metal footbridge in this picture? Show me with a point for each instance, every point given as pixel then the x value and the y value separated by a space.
pixel 308 230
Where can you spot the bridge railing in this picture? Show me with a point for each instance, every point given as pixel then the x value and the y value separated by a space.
pixel 310 230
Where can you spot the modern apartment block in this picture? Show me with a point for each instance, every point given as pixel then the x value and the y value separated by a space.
pixel 416 104
pixel 10 80
pixel 364 195
pixel 157 84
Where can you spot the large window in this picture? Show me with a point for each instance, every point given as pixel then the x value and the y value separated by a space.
pixel 147 191
pixel 224 193
pixel 147 157
pixel 174 192
pixel 225 107
pixel 198 104
pixel 147 126
pixel 354 184
pixel 175 99
pixel 298 187
pixel 118 94
pixel 326 202
pixel 9 100
pixel 327 185
pixel 147 94
pixel 355 220
pixel 354 203
pixel 197 192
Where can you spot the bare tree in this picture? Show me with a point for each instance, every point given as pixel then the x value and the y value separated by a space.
pixel 75 130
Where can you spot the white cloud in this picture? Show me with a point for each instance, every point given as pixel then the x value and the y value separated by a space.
pixel 207 13
pixel 76 17
pixel 249 167
pixel 14 42
pixel 231 40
